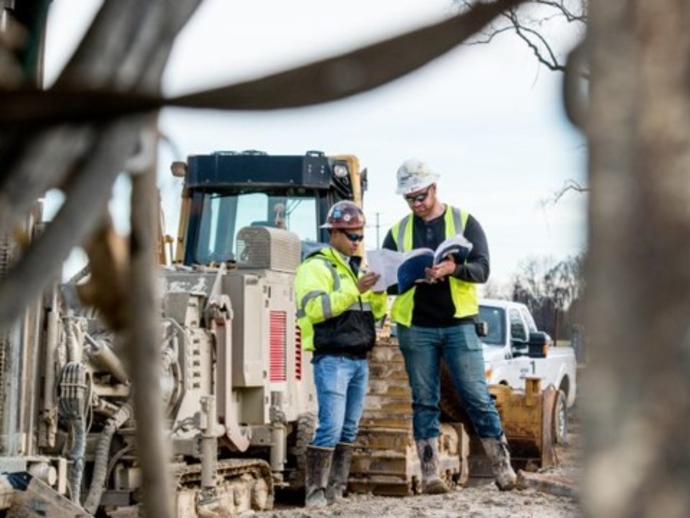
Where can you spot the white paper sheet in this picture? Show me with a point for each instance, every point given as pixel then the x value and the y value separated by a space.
pixel 385 263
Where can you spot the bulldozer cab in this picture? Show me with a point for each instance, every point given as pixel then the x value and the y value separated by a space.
pixel 227 191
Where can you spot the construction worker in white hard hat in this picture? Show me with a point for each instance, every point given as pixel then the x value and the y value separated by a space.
pixel 436 320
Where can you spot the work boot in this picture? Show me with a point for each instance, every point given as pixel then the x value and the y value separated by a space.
pixel 340 471
pixel 318 467
pixel 499 455
pixel 427 449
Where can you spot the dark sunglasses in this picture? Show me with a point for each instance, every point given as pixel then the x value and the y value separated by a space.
pixel 418 198
pixel 355 238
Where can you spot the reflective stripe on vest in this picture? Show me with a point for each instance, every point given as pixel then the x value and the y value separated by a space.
pixel 464 294
pixel 334 272
pixel 327 311
pixel 325 299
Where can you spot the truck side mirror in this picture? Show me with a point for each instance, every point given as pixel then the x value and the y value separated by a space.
pixel 518 333
pixel 519 347
pixel 538 344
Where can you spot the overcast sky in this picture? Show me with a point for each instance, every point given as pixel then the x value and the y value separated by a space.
pixel 488 118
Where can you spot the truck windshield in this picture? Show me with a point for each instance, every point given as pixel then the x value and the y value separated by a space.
pixel 223 216
pixel 495 318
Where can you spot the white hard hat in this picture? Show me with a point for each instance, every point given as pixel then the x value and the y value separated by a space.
pixel 414 175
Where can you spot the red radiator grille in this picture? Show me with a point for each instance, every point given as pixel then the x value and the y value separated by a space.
pixel 277 343
pixel 298 353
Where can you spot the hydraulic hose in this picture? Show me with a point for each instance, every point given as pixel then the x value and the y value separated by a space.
pixel 74 401
pixel 100 467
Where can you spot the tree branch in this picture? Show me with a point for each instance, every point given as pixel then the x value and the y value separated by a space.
pixel 491 36
pixel 520 23
pixel 569 185
pixel 520 30
pixel 567 13
pixel 323 81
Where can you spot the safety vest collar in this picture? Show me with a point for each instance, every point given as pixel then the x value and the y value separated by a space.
pixel 454 219
pixel 335 257
pixel 335 261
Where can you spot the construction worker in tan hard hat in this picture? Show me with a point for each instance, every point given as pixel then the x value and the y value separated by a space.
pixel 336 312
pixel 436 320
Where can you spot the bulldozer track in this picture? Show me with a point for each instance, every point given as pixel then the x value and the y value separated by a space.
pixel 226 468
pixel 385 458
pixel 243 484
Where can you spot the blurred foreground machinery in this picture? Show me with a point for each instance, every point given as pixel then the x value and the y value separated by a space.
pixel 238 390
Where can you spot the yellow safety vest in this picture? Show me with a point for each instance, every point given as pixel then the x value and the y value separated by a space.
pixel 326 288
pixel 464 294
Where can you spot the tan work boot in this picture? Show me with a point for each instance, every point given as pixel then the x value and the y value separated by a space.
pixel 340 471
pixel 499 455
pixel 427 449
pixel 318 468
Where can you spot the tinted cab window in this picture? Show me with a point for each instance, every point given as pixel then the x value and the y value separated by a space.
pixel 518 331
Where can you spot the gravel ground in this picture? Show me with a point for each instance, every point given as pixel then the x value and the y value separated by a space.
pixel 475 502
pixel 481 500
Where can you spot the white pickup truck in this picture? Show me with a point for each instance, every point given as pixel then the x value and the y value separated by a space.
pixel 515 349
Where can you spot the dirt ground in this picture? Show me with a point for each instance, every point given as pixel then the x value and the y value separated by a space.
pixel 481 500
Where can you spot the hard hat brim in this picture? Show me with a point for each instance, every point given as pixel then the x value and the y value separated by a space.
pixel 418 187
pixel 343 226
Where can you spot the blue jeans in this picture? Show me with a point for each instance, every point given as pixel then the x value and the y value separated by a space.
pixel 459 346
pixel 341 386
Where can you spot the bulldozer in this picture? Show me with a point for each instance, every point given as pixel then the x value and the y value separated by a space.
pixel 237 387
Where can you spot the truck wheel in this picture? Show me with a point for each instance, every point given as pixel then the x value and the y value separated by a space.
pixel 305 428
pixel 560 419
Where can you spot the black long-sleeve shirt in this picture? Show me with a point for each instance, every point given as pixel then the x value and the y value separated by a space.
pixel 433 303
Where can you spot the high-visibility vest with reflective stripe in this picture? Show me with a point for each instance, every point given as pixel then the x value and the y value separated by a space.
pixel 464 294
pixel 320 278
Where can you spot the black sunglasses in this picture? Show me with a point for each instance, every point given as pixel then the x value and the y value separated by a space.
pixel 418 198
pixel 355 238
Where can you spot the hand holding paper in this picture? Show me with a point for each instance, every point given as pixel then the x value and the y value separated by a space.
pixel 426 265
pixel 367 281
pixel 441 270
pixel 420 265
pixel 385 263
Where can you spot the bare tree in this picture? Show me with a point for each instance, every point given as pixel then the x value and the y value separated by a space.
pixel 496 290
pixel 637 388
pixel 541 25
pixel 549 288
